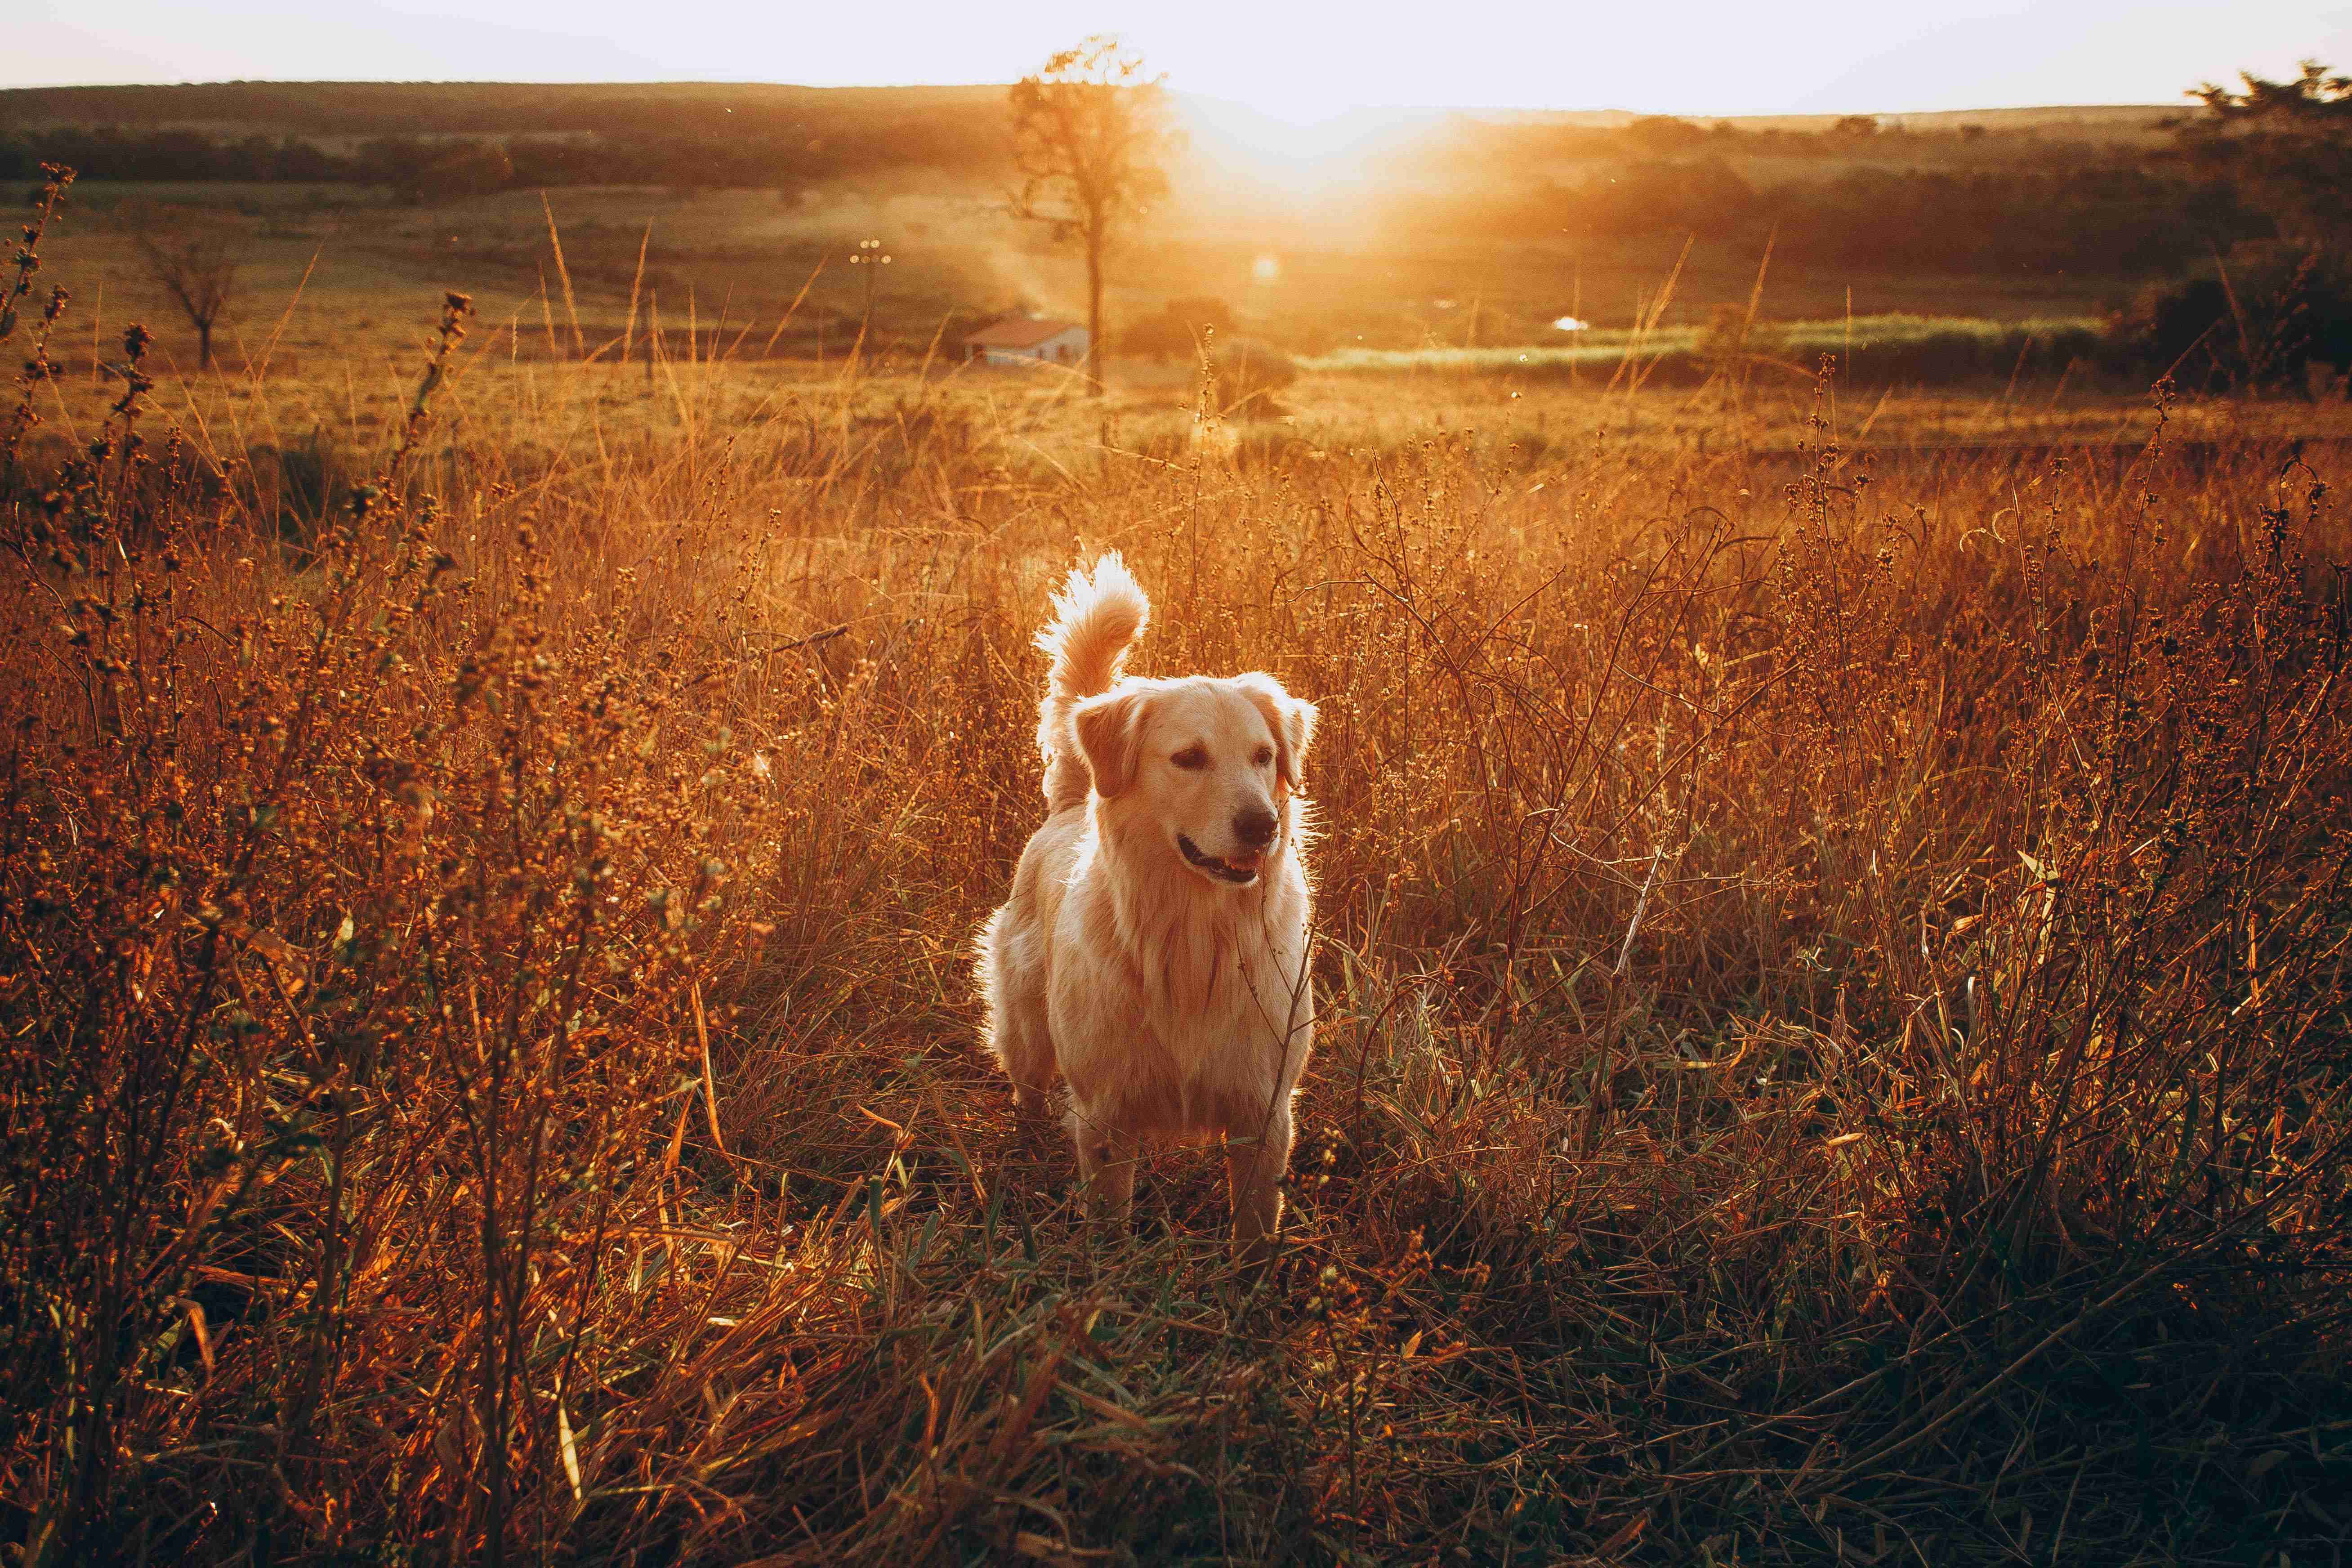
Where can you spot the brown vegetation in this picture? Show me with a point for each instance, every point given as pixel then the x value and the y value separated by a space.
pixel 1835 1043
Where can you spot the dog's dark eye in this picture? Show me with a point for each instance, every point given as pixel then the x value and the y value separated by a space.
pixel 1190 758
pixel 1265 757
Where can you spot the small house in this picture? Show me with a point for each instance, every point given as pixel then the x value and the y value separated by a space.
pixel 1023 340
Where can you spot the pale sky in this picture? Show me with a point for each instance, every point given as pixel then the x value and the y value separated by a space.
pixel 1301 62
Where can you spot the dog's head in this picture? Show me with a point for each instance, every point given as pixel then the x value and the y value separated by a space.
pixel 1210 764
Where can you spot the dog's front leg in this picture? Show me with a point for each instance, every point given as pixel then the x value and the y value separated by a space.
pixel 1255 1159
pixel 1107 1165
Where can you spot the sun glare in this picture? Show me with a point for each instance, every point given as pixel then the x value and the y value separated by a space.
pixel 1298 145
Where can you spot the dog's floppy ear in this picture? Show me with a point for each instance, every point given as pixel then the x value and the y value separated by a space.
pixel 1110 737
pixel 1292 720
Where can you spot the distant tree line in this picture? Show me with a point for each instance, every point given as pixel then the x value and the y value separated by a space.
pixel 2109 218
pixel 2113 197
pixel 430 139
pixel 435 167
pixel 360 109
pixel 1466 146
pixel 111 153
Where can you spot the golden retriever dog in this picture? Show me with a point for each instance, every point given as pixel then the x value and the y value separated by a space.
pixel 1153 953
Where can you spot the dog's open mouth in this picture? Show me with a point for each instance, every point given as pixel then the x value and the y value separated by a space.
pixel 1241 870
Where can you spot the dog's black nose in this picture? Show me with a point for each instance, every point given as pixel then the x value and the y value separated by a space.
pixel 1255 827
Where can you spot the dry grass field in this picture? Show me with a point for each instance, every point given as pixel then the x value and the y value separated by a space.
pixel 1831 917
pixel 322 263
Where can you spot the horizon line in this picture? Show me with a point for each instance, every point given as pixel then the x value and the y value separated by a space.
pixel 1700 115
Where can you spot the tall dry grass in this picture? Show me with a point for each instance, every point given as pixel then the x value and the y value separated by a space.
pixel 1836 1040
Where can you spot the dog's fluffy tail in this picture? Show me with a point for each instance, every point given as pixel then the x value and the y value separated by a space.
pixel 1097 617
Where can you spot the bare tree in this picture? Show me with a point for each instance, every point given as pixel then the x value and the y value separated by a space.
pixel 195 261
pixel 1089 133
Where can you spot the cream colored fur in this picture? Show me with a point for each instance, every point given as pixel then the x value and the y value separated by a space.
pixel 1132 961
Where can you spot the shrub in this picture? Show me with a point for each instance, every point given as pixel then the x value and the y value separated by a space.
pixel 1178 329
pixel 2276 309
pixel 1247 373
pixel 304 485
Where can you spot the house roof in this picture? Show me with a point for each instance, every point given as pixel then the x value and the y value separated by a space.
pixel 1020 332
